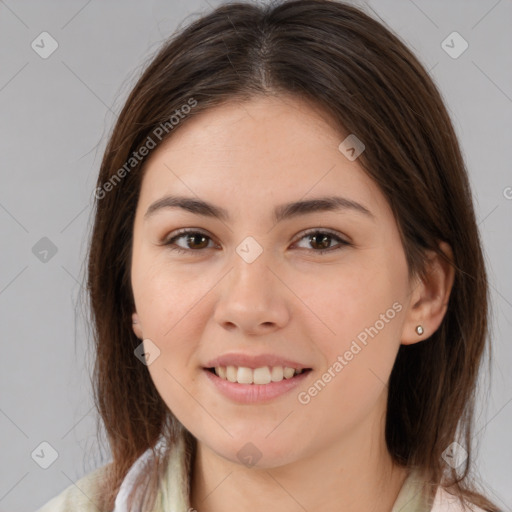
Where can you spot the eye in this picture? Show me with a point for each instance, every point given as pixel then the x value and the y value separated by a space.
pixel 195 241
pixel 322 239
pixel 192 238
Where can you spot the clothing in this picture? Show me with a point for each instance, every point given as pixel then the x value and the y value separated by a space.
pixel 80 497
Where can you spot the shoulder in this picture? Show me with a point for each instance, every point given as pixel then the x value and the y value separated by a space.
pixel 79 497
pixel 446 502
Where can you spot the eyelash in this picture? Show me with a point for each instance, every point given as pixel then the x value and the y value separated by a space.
pixel 180 234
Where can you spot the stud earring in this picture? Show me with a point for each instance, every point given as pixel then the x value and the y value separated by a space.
pixel 419 330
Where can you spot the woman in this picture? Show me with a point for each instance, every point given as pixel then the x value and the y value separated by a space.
pixel 286 279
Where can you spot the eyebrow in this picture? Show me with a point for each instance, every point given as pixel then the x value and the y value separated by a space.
pixel 281 212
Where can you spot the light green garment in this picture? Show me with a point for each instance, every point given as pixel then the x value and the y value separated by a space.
pixel 413 496
pixel 81 496
pixel 78 497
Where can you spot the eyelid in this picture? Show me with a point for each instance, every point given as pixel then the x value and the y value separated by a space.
pixel 335 234
pixel 185 231
pixel 342 239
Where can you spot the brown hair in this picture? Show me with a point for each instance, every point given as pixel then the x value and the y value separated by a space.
pixel 353 67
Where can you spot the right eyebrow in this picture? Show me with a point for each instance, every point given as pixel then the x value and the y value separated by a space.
pixel 281 212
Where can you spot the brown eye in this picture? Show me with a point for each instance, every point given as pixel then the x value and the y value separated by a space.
pixel 323 240
pixel 194 241
pixel 320 241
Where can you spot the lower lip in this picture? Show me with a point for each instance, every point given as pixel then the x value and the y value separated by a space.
pixel 253 393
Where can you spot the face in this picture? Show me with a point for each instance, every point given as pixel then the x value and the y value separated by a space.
pixel 254 285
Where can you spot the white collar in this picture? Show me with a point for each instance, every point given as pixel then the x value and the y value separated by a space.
pixel 174 495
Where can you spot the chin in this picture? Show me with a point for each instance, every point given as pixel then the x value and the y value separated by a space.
pixel 252 452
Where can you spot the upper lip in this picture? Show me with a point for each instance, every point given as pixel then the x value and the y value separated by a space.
pixel 254 361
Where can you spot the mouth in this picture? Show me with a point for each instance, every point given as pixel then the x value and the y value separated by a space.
pixel 257 376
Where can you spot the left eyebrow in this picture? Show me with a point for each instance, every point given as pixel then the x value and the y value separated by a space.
pixel 320 204
pixel 281 212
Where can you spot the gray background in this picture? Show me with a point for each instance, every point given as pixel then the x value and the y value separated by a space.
pixel 55 116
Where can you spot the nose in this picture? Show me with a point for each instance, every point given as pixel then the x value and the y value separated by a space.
pixel 252 298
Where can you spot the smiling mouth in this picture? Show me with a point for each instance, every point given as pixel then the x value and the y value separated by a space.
pixel 259 376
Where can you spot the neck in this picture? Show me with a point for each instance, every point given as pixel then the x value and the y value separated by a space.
pixel 356 471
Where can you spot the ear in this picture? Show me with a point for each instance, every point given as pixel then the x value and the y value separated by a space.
pixel 429 297
pixel 137 329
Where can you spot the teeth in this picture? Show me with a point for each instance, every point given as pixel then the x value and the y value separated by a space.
pixel 263 375
pixel 288 373
pixel 277 373
pixel 230 373
pixel 244 375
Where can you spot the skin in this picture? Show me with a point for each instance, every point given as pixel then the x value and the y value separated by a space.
pixel 291 301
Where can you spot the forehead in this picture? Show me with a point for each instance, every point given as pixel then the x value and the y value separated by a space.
pixel 265 149
pixel 261 127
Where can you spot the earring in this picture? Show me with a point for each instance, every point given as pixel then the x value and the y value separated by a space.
pixel 419 330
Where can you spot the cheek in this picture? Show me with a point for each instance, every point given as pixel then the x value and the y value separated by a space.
pixel 357 359
pixel 347 299
pixel 361 308
pixel 169 307
pixel 165 295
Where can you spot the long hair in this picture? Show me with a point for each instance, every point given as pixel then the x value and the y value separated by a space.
pixel 370 84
